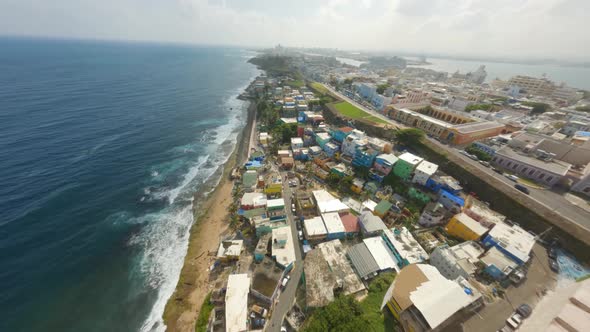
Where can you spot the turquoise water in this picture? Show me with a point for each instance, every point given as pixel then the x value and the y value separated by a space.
pixel 101 147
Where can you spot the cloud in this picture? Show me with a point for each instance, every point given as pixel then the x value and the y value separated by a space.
pixel 540 28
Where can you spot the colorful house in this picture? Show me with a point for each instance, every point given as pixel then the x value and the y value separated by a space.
pixel 452 202
pixel 364 157
pixel 405 165
pixel 423 172
pixel 512 241
pixel 350 223
pixel 382 208
pixel 322 138
pixel 464 227
pixel 331 149
pixel 340 134
pixel 384 163
pixel 275 209
pixel 357 185
pixel 273 185
pixel 252 200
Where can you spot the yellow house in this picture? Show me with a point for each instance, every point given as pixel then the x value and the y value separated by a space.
pixel 274 185
pixel 464 227
pixel 357 185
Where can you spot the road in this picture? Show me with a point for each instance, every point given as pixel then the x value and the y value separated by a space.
pixel 551 199
pixel 287 297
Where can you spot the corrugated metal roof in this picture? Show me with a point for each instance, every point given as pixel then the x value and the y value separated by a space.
pixel 362 260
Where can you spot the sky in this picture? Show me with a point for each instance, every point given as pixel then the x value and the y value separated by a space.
pixel 507 28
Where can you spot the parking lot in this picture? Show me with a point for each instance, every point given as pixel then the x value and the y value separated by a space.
pixel 492 317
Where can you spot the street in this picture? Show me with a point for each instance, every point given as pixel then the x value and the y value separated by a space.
pixel 286 298
pixel 546 197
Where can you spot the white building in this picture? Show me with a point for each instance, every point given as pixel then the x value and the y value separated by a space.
pixel 283 248
pixel 314 229
pixel 381 253
pixel 325 202
pixel 296 143
pixel 457 261
pixel 424 171
pixel 236 303
pixel 434 214
pixel 402 242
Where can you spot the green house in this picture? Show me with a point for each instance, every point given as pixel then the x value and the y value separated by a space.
pixel 405 165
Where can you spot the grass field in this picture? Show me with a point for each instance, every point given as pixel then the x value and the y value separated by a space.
pixel 349 110
pixel 296 83
pixel 318 87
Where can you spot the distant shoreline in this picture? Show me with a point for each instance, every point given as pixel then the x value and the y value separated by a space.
pixel 210 223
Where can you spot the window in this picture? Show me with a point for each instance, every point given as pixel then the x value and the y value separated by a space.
pixel 525 169
pixel 549 179
pixel 532 172
pixel 587 190
pixel 509 163
pixel 542 176
pixel 515 165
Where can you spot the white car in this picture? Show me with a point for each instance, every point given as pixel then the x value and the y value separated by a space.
pixel 511 177
pixel 514 321
pixel 285 281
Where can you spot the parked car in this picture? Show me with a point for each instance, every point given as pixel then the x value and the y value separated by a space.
pixel 524 310
pixel 552 253
pixel 485 163
pixel 499 171
pixel 293 207
pixel 300 233
pixel 522 188
pixel 553 265
pixel 516 277
pixel 285 281
pixel 514 321
pixel 511 177
pixel 472 156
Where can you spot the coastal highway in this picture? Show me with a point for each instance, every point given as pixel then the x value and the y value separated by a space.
pixel 551 199
pixel 286 298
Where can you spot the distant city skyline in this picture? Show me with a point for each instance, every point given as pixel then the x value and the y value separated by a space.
pixel 516 29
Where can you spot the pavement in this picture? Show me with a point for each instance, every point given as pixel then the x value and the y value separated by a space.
pixel 286 298
pixel 553 200
pixel 492 317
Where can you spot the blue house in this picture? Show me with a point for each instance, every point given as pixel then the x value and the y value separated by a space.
pixel 485 148
pixel 451 202
pixel 447 183
pixel 331 149
pixel 364 157
pixel 340 134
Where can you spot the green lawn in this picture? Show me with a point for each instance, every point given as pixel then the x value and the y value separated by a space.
pixel 296 83
pixel 203 319
pixel 349 110
pixel 318 87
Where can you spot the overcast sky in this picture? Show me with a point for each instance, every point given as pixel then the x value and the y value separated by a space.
pixel 516 28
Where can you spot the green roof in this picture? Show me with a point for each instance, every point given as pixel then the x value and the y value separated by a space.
pixel 254 212
pixel 383 207
pixel 250 179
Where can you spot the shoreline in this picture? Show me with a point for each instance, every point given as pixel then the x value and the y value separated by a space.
pixel 210 223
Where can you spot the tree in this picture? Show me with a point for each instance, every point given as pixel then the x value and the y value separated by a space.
pixel 284 132
pixel 345 183
pixel 538 108
pixel 474 107
pixel 333 179
pixel 344 314
pixel 382 87
pixel 409 135
pixel 481 155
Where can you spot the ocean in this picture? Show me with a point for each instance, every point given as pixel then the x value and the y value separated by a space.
pixel 102 145
pixel 577 77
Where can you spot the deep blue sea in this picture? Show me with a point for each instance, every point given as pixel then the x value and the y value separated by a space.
pixel 101 146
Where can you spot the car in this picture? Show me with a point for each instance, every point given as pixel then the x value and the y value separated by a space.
pixel 285 281
pixel 293 207
pixel 283 329
pixel 516 277
pixel 522 188
pixel 514 321
pixel 474 157
pixel 524 310
pixel 463 152
pixel 485 163
pixel 511 177
pixel 499 171
pixel 553 265
pixel 552 253
pixel 300 233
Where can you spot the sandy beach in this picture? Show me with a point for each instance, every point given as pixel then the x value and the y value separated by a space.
pixel 211 222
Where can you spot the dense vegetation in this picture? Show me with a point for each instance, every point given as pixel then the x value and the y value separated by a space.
pixel 347 314
pixel 275 65
pixel 409 135
pixel 473 107
pixel 203 319
pixel 382 87
pixel 538 108
pixel 481 155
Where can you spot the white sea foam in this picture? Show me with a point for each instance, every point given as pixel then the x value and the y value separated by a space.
pixel 164 241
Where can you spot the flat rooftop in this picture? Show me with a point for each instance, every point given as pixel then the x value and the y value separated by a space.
pixel 513 239
pixel 333 223
pixel 319 280
pixel 554 166
pixel 427 167
pixel 405 244
pixel 236 303
pixel 471 127
pixel 381 253
pixel 340 267
pixel 410 158
pixel 314 227
pixel 284 255
pixel 328 203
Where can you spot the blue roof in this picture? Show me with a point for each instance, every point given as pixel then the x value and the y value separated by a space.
pixel 583 133
pixel 452 197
